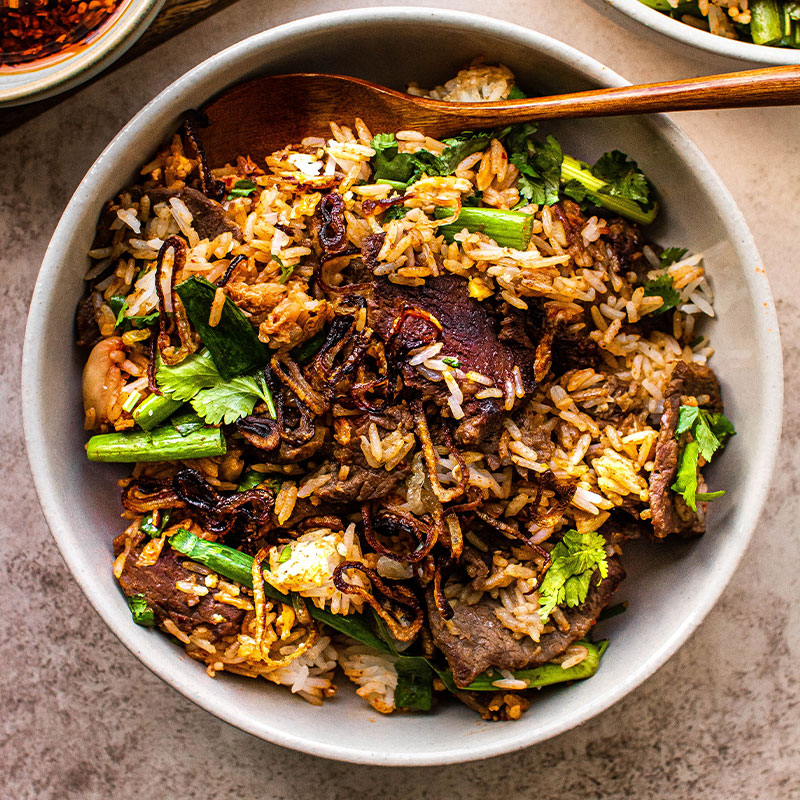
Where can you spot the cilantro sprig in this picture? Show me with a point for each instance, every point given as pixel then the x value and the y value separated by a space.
pixel 216 400
pixel 663 287
pixel 710 432
pixel 574 560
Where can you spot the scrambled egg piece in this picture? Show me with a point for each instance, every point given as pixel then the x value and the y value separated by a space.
pixel 306 564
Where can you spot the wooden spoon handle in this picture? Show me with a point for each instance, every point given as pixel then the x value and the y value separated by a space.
pixel 773 86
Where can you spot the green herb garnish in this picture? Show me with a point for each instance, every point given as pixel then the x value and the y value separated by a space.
pixel 672 255
pixel 710 432
pixel 141 612
pixel 243 188
pixel 575 559
pixel 663 287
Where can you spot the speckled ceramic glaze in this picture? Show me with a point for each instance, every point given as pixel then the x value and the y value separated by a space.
pixel 40 79
pixel 719 45
pixel 670 587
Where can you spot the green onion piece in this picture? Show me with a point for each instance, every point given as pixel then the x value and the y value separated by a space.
pixel 162 444
pixel 131 400
pixel 230 563
pixel 285 555
pixel 765 21
pixel 573 170
pixel 154 410
pixel 397 185
pixel 141 612
pixel 507 228
pixel 233 343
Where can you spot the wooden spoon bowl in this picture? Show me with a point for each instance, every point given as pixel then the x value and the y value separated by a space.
pixel 262 115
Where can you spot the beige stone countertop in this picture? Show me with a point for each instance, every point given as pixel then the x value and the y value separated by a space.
pixel 80 717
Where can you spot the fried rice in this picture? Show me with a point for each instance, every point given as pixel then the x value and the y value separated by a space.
pixel 448 440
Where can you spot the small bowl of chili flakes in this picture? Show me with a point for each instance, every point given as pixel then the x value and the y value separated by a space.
pixel 49 46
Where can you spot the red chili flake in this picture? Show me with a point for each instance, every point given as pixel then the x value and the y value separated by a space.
pixel 34 29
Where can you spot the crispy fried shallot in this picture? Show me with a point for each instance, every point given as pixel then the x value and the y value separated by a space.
pixel 193 121
pixel 432 461
pixel 170 303
pixel 406 617
pixel 392 522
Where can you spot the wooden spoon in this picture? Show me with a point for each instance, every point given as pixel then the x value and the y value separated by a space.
pixel 263 115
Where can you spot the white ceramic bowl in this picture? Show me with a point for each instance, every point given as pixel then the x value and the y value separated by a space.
pixel 37 80
pixel 719 45
pixel 670 588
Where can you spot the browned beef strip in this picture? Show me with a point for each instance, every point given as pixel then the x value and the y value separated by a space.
pixel 624 247
pixel 483 419
pixel 362 481
pixel 470 332
pixel 210 219
pixel 670 512
pixel 485 643
pixel 481 341
pixel 87 332
pixel 157 584
pixel 573 351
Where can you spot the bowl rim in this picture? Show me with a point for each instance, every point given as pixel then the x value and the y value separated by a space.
pixel 82 205
pixel 704 40
pixel 76 69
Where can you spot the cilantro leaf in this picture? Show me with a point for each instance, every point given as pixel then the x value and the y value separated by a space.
pixel 539 165
pixel 214 399
pixel 388 162
pixel 451 362
pixel 623 178
pixel 458 148
pixel 184 380
pixel 710 432
pixel 687 415
pixel 672 255
pixel 574 560
pixel 242 188
pixel 686 478
pixel 231 400
pixel 516 93
pixel 141 612
pixel 663 287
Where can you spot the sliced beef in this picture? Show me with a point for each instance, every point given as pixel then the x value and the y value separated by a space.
pixel 573 351
pixel 87 331
pixel 488 343
pixel 483 420
pixel 210 219
pixel 157 584
pixel 470 332
pixel 483 642
pixel 670 512
pixel 361 484
pixel 364 482
pixel 623 243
